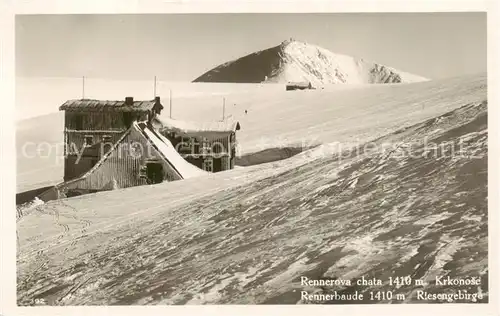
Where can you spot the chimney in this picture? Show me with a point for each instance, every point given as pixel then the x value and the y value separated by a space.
pixel 157 107
pixel 129 100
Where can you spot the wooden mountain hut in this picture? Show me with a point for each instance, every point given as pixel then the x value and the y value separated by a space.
pixel 298 86
pixel 112 144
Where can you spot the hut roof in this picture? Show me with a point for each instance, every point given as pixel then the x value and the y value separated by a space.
pixel 190 127
pixel 127 105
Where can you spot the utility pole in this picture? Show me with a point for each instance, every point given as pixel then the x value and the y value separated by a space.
pixel 83 87
pixel 170 100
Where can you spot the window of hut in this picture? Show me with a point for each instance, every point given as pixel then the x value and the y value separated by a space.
pixel 185 144
pixel 208 165
pixel 89 140
pixel 206 148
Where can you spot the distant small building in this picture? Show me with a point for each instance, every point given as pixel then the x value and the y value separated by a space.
pixel 298 86
pixel 210 146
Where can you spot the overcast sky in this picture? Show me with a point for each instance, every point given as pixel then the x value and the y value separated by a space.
pixel 182 47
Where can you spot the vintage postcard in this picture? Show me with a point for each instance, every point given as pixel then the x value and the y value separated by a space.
pixel 252 158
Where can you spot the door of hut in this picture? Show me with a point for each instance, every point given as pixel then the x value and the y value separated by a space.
pixel 154 172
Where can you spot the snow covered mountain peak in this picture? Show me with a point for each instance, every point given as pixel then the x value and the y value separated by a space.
pixel 295 61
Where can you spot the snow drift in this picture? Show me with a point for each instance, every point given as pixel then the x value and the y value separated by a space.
pixel 185 169
pixel 294 61
pixel 246 236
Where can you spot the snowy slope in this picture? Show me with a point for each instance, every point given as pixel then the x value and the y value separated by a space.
pixel 343 113
pixel 248 235
pixel 294 61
